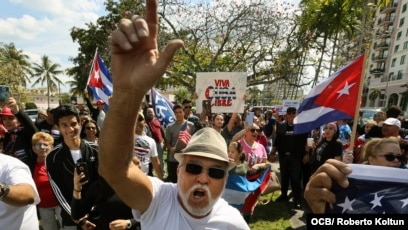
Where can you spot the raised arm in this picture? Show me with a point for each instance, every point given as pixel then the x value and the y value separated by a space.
pixel 136 66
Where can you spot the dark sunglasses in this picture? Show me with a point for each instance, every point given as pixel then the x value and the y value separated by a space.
pixel 195 169
pixel 391 157
pixel 90 128
pixel 256 130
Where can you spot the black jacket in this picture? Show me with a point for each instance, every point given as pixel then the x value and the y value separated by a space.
pixel 21 148
pixel 60 168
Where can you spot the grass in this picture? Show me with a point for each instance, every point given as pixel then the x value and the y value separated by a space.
pixel 271 216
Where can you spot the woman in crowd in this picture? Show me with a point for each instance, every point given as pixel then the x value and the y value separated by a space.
pixel 358 145
pixel 255 152
pixel 90 131
pixel 383 152
pixel 48 208
pixel 380 152
pixel 328 147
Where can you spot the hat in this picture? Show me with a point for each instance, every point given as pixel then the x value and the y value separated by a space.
pixel 100 102
pixel 50 110
pixel 41 111
pixel 208 143
pixel 291 109
pixel 393 121
pixel 6 111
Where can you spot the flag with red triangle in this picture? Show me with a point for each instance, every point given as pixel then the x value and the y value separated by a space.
pixel 333 99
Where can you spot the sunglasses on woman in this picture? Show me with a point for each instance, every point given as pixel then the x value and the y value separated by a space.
pixel 256 130
pixel 391 157
pixel 213 172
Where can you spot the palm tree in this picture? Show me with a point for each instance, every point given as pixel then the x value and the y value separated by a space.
pixel 47 72
pixel 15 66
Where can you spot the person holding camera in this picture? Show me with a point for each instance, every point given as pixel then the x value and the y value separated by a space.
pixel 61 161
pixel 97 205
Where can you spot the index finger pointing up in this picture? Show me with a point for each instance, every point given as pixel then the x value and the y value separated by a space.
pixel 151 12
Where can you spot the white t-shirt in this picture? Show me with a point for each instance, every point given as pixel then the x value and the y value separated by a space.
pixel 12 172
pixel 165 212
pixel 145 148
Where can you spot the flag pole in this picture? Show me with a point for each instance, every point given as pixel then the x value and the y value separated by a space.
pixel 93 63
pixel 356 113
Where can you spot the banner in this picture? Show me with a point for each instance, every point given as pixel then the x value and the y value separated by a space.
pixel 225 90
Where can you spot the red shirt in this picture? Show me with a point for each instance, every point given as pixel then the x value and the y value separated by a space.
pixel 154 127
pixel 47 196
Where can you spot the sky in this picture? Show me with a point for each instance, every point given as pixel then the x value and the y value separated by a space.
pixel 42 27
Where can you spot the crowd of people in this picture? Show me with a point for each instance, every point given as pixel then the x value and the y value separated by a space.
pixel 80 167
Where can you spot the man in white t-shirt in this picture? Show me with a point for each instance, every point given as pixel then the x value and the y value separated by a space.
pixel 194 202
pixel 145 149
pixel 18 195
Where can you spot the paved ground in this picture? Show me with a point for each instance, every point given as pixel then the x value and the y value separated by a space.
pixel 298 217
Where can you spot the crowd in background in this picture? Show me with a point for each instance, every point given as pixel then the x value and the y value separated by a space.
pixel 69 135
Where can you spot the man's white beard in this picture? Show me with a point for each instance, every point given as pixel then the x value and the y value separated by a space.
pixel 195 210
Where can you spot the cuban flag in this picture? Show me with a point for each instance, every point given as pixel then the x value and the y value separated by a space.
pixel 372 190
pixel 100 81
pixel 333 99
pixel 243 194
pixel 163 108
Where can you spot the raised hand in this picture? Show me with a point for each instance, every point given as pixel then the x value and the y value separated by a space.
pixel 136 63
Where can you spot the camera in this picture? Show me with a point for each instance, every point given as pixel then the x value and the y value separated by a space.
pixel 82 167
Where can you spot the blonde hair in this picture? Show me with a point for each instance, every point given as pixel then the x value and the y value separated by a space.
pixel 371 122
pixel 42 135
pixel 375 145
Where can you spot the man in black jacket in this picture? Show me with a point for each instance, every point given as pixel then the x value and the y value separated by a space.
pixel 61 161
pixel 291 148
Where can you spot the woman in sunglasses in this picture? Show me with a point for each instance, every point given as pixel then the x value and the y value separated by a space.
pixel 90 131
pixel 48 208
pixel 380 152
pixel 255 152
pixel 383 152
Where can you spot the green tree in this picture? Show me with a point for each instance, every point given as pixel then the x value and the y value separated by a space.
pixel 218 36
pixel 15 67
pixel 46 72
pixel 226 36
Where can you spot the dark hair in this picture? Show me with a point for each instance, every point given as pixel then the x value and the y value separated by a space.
pixel 83 134
pixel 393 112
pixel 177 106
pixel 63 111
pixel 186 101
pixel 83 112
pixel 216 115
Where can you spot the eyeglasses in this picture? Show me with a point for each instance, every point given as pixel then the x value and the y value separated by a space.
pixel 41 145
pixel 256 130
pixel 90 128
pixel 391 157
pixel 213 172
pixel 187 107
